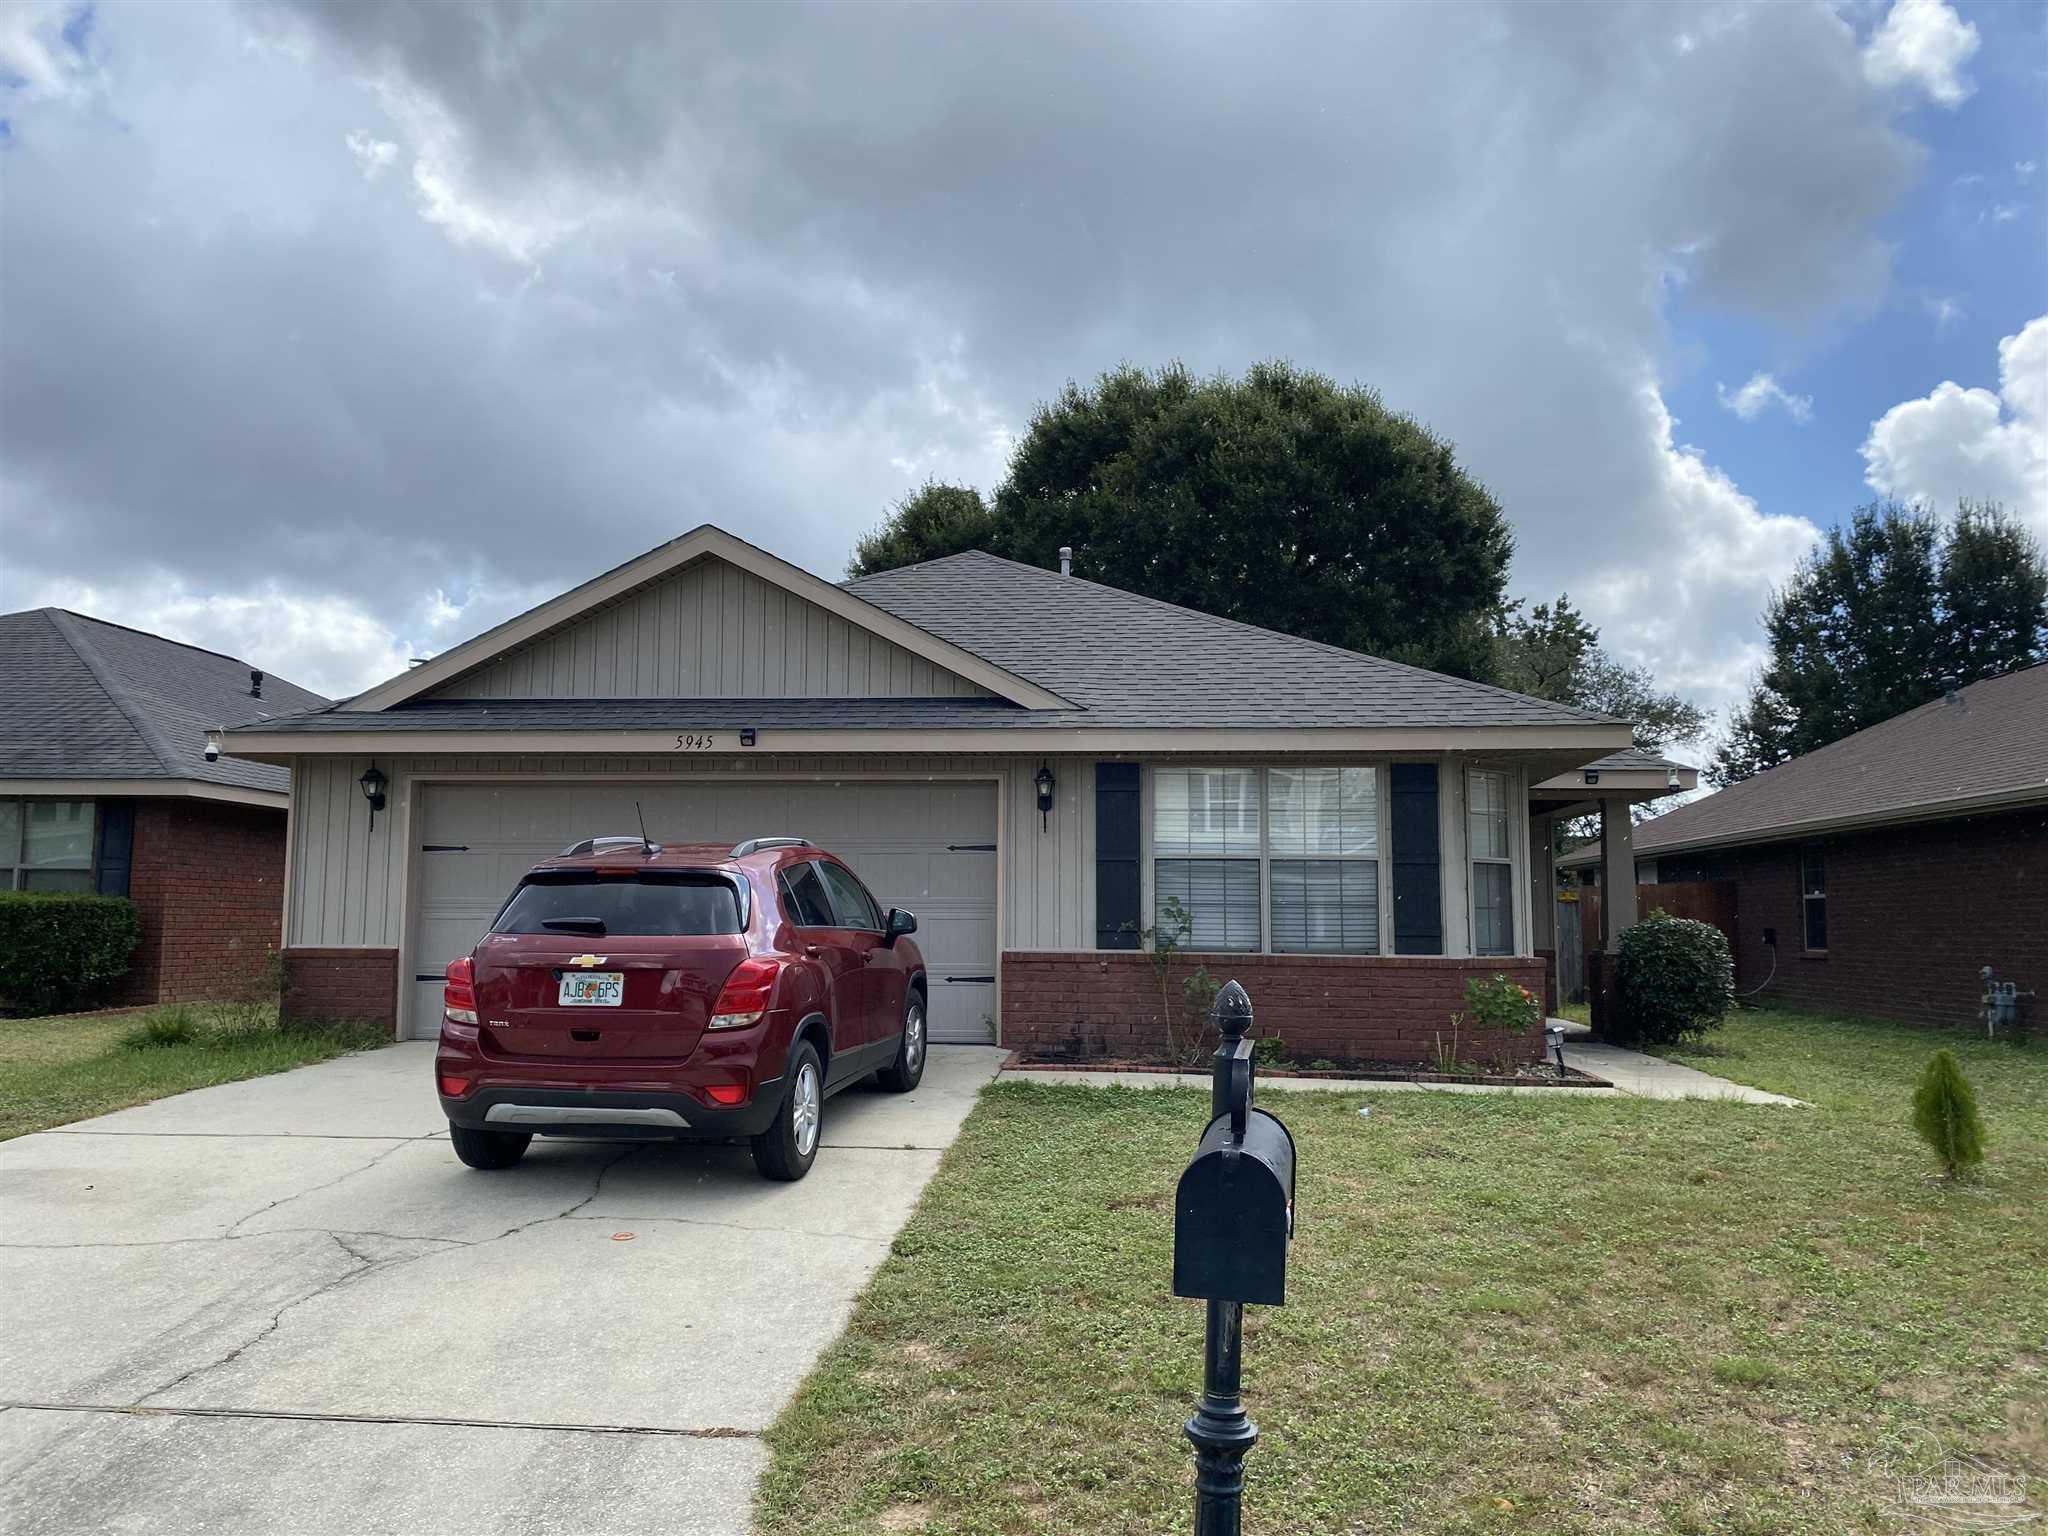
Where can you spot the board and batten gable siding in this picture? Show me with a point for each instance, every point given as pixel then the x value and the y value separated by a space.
pixel 709 631
pixel 347 879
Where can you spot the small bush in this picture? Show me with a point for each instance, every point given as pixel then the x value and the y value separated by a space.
pixel 1673 981
pixel 1945 1115
pixel 60 953
pixel 161 1027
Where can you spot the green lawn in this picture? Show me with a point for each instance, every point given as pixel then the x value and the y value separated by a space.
pixel 1505 1314
pixel 60 1069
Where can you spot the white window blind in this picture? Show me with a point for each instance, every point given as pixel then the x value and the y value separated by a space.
pixel 1488 846
pixel 46 845
pixel 1205 847
pixel 1323 841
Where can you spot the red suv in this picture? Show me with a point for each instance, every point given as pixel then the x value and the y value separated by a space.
pixel 632 990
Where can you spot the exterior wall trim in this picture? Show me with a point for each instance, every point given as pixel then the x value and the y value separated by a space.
pixel 143 789
pixel 280 746
pixel 696 544
pixel 1855 821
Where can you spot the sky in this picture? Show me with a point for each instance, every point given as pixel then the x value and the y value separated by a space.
pixel 331 335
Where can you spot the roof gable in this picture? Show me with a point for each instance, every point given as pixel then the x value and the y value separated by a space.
pixel 1985 746
pixel 95 700
pixel 829 640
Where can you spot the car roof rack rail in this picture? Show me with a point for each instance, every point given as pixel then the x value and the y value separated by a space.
pixel 601 845
pixel 756 844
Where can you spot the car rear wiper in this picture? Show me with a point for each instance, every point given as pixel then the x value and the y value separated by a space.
pixel 590 925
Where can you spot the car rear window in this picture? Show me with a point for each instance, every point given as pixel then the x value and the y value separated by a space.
pixel 649 905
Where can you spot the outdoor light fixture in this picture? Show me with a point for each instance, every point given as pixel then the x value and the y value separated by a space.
pixel 1592 775
pixel 1044 781
pixel 1553 1032
pixel 373 787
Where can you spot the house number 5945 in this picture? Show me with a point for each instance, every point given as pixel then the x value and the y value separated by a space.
pixel 693 741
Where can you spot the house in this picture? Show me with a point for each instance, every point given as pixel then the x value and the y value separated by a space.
pixel 1880 874
pixel 105 785
pixel 1031 762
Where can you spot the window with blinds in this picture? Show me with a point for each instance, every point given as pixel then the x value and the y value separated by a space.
pixel 1489 847
pixel 1324 845
pixel 1205 851
pixel 46 845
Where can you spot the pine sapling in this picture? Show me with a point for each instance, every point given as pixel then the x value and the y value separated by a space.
pixel 1945 1115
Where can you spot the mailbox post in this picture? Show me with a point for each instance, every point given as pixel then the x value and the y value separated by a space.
pixel 1233 1219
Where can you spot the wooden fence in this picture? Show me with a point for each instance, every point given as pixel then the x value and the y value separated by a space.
pixel 1578 921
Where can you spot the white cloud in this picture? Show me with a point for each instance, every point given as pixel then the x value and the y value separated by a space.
pixel 2003 213
pixel 36 56
pixel 1946 310
pixel 373 155
pixel 2023 170
pixel 1760 394
pixel 1922 43
pixel 1958 443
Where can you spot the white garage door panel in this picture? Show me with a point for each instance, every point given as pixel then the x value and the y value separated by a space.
pixel 926 847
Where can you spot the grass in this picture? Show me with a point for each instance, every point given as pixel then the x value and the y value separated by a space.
pixel 1543 1314
pixel 56 1070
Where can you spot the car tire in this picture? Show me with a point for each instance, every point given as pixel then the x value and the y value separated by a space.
pixel 489 1149
pixel 785 1151
pixel 904 1074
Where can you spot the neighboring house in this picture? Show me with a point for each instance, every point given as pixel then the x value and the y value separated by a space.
pixel 1880 873
pixel 1031 762
pixel 105 786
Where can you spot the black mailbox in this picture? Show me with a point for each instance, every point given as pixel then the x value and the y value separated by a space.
pixel 1234 1213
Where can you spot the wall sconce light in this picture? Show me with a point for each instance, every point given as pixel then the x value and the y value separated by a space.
pixel 1044 781
pixel 373 788
pixel 1592 775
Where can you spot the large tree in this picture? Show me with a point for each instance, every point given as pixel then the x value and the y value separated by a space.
pixel 1551 652
pixel 1878 617
pixel 1282 499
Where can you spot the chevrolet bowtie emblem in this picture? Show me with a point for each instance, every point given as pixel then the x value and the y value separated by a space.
pixel 586 961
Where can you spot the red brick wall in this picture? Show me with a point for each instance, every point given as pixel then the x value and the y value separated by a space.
pixel 208 881
pixel 1913 913
pixel 1340 1007
pixel 341 984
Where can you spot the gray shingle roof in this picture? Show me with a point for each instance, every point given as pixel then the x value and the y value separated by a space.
pixel 1136 661
pixel 84 699
pixel 1990 741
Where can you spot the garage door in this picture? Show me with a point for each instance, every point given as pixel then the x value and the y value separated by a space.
pixel 926 847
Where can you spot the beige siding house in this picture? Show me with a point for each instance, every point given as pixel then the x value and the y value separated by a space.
pixel 1031 762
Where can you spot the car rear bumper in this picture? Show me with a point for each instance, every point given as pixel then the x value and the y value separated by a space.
pixel 633 1115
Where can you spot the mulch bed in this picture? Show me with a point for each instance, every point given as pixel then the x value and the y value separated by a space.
pixel 1360 1072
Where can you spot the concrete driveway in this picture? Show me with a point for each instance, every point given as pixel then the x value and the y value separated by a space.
pixel 283 1306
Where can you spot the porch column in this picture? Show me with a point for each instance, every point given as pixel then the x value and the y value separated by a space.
pixel 1542 885
pixel 1617 872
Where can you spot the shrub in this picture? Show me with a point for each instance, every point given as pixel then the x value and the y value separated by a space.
pixel 1945 1115
pixel 1673 981
pixel 59 953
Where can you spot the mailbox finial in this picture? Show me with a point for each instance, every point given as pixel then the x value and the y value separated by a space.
pixel 1232 1014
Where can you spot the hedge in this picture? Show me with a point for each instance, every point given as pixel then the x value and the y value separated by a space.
pixel 62 952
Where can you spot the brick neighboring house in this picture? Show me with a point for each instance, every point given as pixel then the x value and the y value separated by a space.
pixel 1879 874
pixel 105 786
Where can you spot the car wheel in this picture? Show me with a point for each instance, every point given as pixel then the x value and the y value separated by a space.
pixel 789 1146
pixel 904 1074
pixel 489 1149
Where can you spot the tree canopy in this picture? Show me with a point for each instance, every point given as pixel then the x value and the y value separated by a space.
pixel 1551 652
pixel 1876 618
pixel 1280 499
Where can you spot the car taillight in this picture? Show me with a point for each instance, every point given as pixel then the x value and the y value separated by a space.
pixel 453 1087
pixel 744 998
pixel 727 1094
pixel 458 993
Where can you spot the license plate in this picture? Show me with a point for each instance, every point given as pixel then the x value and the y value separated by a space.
pixel 593 989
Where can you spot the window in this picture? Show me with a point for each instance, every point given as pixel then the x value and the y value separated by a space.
pixel 1286 858
pixel 1323 841
pixel 46 845
pixel 1490 848
pixel 1813 899
pixel 809 906
pixel 650 905
pixel 1205 851
pixel 850 899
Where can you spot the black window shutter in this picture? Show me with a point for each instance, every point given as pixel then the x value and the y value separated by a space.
pixel 114 850
pixel 1417 861
pixel 1118 886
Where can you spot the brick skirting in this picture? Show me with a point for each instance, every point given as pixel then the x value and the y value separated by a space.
pixel 341 984
pixel 1339 1007
pixel 208 881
